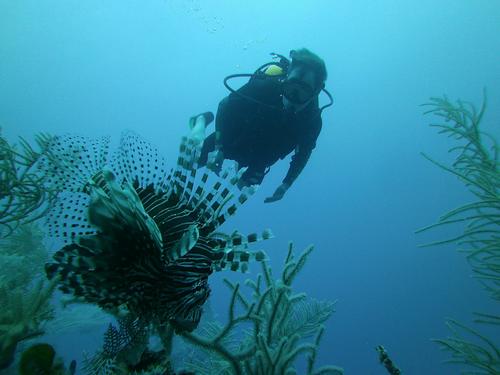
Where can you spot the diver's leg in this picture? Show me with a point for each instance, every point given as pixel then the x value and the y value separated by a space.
pixel 252 176
pixel 211 155
pixel 197 124
pixel 208 146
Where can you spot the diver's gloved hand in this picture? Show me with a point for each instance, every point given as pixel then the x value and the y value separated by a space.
pixel 215 160
pixel 278 193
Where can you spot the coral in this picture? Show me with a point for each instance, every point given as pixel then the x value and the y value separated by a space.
pixel 476 351
pixel 384 359
pixel 125 351
pixel 476 165
pixel 22 317
pixel 24 295
pixel 280 320
pixel 24 194
pixel 123 346
pixel 22 252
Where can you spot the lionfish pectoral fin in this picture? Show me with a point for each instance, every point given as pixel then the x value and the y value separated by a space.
pixel 185 244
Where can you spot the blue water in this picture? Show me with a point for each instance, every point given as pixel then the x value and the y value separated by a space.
pixel 98 67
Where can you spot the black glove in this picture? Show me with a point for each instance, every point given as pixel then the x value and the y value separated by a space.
pixel 278 193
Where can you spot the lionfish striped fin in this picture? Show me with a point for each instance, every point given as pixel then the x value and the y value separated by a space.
pixel 199 192
pixel 138 160
pixel 185 172
pixel 238 240
pixel 223 195
pixel 72 160
pixel 221 218
pixel 192 155
pixel 68 219
pixel 212 198
pixel 184 245
pixel 237 260
pixel 72 264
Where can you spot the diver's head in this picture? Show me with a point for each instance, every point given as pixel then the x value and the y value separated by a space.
pixel 305 79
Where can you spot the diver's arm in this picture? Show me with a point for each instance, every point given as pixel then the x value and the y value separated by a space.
pixel 304 149
pixel 299 161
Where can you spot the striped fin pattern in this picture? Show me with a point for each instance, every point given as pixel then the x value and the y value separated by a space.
pixel 238 260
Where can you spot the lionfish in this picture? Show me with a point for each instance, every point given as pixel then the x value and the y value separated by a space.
pixel 138 237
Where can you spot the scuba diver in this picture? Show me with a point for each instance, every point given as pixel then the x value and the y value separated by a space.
pixel 276 112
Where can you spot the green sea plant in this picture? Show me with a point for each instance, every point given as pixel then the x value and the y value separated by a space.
pixel 281 322
pixel 476 165
pixel 24 294
pixel 24 194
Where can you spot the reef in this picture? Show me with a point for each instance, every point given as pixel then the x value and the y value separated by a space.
pixel 386 361
pixel 41 359
pixel 284 326
pixel 140 242
pixel 281 322
pixel 476 165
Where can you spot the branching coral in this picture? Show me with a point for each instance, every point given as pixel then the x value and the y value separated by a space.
pixel 475 350
pixel 24 296
pixel 476 164
pixel 24 194
pixel 280 320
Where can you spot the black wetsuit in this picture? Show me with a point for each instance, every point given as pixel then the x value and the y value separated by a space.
pixel 256 135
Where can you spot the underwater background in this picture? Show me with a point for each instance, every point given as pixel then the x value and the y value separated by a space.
pixel 99 67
